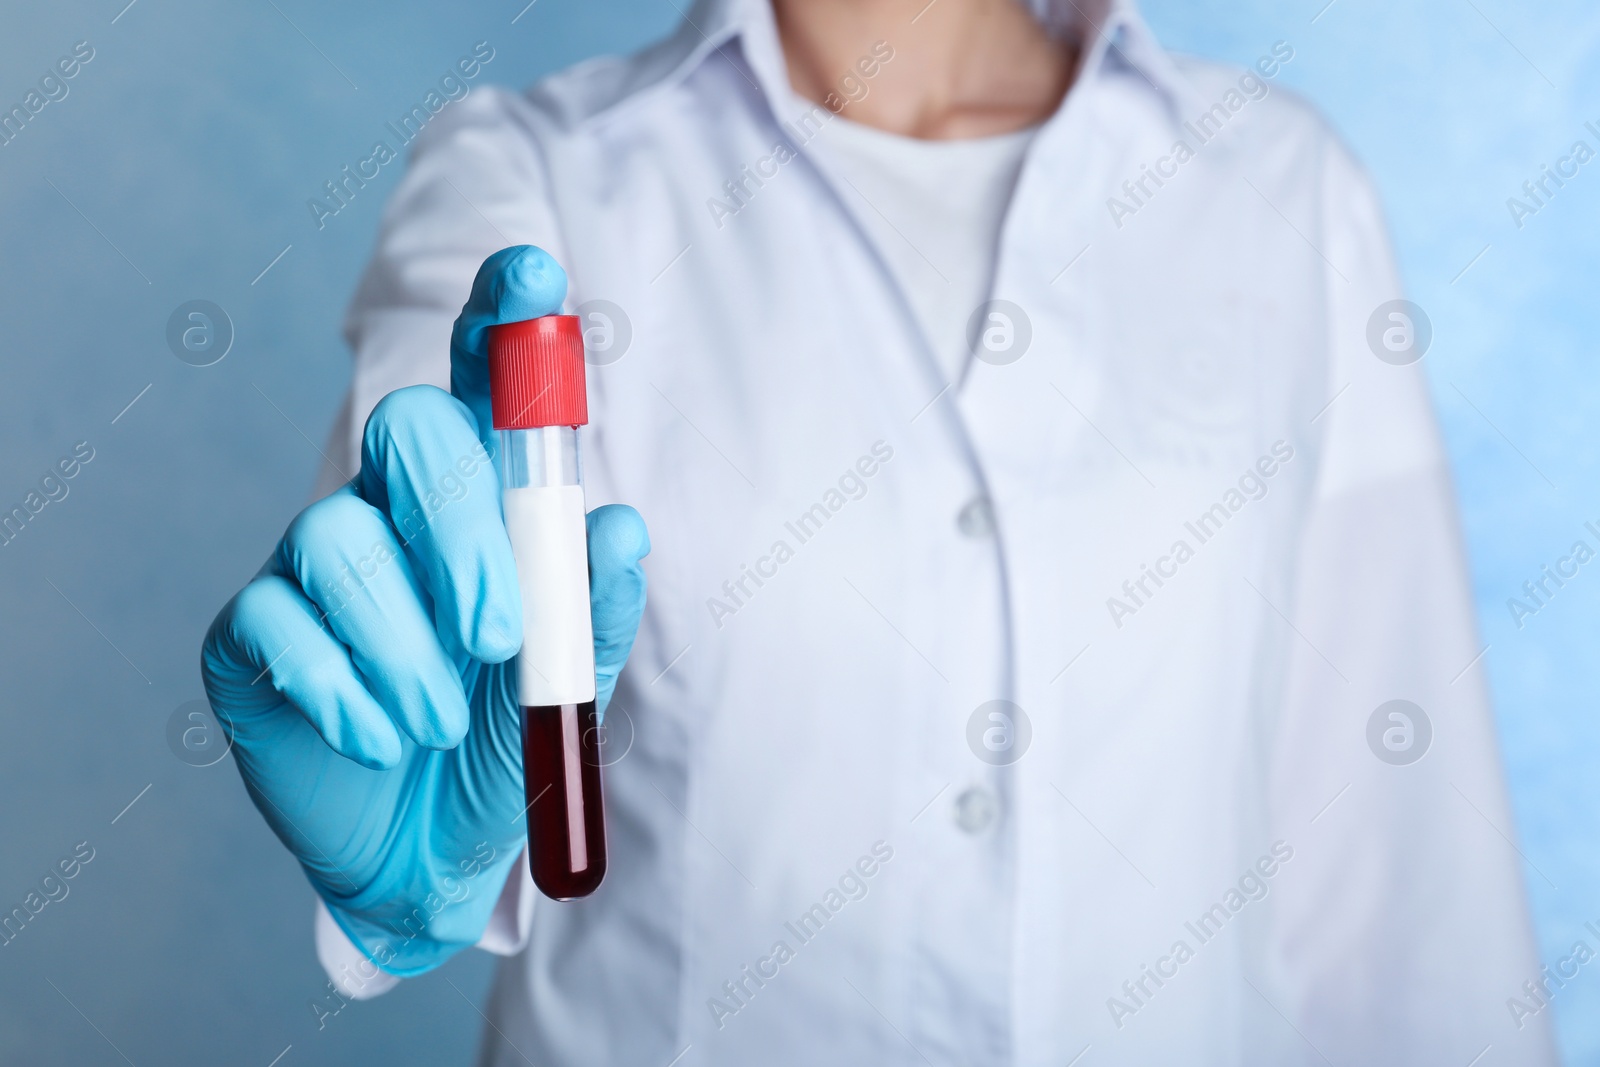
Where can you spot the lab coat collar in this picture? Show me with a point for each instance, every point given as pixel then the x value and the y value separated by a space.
pixel 1110 31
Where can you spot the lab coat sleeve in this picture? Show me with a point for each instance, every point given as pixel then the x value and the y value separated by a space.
pixel 475 184
pixel 1403 927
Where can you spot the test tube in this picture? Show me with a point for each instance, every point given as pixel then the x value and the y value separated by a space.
pixel 536 376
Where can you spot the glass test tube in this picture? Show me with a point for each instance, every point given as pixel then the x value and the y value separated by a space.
pixel 536 371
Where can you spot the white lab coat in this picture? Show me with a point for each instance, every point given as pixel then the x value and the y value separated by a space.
pixel 782 733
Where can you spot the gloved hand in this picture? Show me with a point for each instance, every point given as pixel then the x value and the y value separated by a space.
pixel 364 673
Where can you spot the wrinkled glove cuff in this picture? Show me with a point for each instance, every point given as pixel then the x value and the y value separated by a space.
pixel 412 928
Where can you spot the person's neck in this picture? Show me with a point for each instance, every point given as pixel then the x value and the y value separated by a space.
pixel 963 68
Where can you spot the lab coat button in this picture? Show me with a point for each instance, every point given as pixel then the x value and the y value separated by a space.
pixel 976 808
pixel 976 519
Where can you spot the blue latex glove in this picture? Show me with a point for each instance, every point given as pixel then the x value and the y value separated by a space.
pixel 365 671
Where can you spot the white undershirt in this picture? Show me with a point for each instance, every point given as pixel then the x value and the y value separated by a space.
pixel 934 209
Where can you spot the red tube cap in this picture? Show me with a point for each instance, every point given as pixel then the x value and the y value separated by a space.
pixel 536 373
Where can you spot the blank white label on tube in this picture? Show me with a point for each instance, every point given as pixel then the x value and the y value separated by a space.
pixel 549 541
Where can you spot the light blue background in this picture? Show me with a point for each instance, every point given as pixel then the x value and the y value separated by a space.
pixel 192 141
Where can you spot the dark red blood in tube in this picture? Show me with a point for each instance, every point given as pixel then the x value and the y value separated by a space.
pixel 566 815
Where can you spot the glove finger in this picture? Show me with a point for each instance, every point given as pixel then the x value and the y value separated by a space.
pixel 423 465
pixel 516 283
pixel 349 564
pixel 618 542
pixel 270 636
